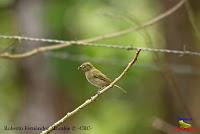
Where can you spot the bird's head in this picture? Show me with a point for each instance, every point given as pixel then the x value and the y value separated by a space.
pixel 86 66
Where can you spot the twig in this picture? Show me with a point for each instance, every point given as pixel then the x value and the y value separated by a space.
pixel 90 40
pixel 144 25
pixel 93 98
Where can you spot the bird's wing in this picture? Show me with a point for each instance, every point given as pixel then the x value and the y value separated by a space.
pixel 99 75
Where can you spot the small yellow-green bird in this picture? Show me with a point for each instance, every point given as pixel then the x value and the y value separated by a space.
pixel 184 124
pixel 96 77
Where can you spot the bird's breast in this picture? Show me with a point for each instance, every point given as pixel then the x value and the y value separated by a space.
pixel 94 81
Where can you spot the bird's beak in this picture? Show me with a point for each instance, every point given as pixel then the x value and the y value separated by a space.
pixel 79 67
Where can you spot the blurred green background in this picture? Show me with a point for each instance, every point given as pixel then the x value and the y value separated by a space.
pixel 39 90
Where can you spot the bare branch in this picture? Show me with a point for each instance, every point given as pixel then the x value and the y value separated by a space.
pixel 144 25
pixel 93 98
pixel 98 38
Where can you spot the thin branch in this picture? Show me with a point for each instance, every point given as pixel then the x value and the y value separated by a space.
pixel 34 51
pixel 93 98
pixel 90 40
pixel 144 25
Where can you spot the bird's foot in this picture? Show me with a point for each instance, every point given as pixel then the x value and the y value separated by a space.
pixel 99 91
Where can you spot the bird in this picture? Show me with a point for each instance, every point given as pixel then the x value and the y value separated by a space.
pixel 184 124
pixel 96 77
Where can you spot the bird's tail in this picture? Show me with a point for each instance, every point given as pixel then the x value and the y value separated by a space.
pixel 123 90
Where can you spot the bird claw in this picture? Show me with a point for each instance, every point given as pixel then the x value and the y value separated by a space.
pixel 98 91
